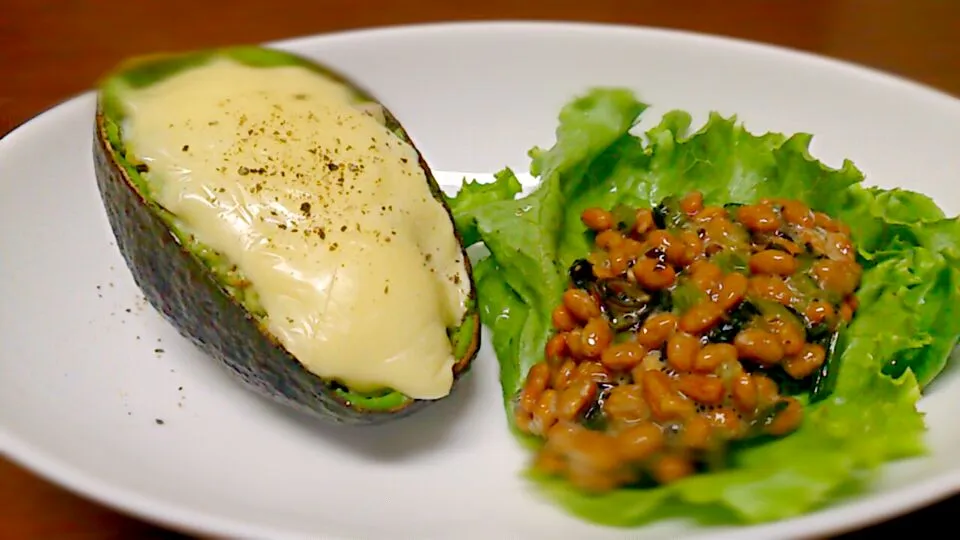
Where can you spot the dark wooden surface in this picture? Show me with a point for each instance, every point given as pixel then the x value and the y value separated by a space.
pixel 53 49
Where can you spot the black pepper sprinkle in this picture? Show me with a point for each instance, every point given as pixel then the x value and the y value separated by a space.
pixel 343 228
pixel 243 171
pixel 185 147
pixel 142 168
pixel 305 208
pixel 159 422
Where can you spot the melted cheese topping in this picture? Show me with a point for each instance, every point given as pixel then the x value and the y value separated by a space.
pixel 323 209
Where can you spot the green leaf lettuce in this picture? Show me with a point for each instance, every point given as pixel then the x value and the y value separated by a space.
pixel 900 339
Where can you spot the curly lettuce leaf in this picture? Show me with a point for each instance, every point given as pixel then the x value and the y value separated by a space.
pixel 899 341
pixel 474 195
pixel 528 262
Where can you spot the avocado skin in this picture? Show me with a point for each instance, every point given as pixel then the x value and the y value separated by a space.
pixel 179 286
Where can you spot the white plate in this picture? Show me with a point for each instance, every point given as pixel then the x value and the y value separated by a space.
pixel 81 387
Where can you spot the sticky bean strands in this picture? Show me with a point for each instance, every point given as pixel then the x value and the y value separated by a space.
pixel 657 396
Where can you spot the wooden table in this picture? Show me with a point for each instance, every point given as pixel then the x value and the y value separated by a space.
pixel 52 49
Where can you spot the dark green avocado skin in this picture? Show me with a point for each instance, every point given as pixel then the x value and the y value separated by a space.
pixel 188 296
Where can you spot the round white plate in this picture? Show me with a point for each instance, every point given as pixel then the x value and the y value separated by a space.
pixel 99 394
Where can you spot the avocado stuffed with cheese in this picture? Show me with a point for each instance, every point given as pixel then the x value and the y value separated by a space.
pixel 281 218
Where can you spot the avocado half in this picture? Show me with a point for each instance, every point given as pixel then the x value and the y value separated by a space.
pixel 175 272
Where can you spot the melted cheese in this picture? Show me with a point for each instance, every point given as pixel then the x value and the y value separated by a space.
pixel 323 209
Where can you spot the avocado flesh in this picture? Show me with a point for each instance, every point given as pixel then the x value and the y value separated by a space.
pixel 191 284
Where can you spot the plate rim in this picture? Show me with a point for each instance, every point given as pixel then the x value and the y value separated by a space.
pixel 539 25
pixel 386 30
pixel 835 519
